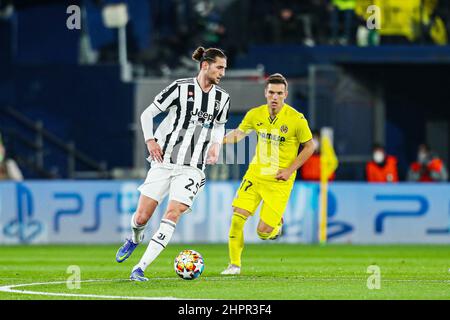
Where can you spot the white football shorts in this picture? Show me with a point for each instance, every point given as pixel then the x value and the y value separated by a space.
pixel 182 183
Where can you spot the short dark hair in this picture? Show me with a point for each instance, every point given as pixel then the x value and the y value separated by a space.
pixel 377 145
pixel 201 54
pixel 425 146
pixel 277 78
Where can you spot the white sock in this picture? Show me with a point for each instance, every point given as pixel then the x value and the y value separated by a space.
pixel 137 230
pixel 157 244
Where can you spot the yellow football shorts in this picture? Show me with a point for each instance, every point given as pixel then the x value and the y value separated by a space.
pixel 274 196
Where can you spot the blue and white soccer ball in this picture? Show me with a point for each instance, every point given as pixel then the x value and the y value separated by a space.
pixel 189 264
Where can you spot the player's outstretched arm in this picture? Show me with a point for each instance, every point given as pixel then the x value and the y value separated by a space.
pixel 234 136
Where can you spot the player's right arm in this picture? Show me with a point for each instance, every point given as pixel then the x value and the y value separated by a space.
pixel 147 127
pixel 160 104
pixel 234 136
pixel 240 132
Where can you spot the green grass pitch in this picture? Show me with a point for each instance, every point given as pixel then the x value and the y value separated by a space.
pixel 270 271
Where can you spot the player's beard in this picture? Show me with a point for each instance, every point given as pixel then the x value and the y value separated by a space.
pixel 213 80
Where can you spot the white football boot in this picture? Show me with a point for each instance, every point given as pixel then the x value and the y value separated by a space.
pixel 231 270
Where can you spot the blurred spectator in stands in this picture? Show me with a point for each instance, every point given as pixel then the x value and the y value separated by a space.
pixel 6 9
pixel 291 23
pixel 179 27
pixel 238 29
pixel 318 14
pixel 428 167
pixel 172 35
pixel 382 167
pixel 169 36
pixel 210 28
pixel 259 13
pixel 310 171
pixel 342 20
pixel 443 11
pixel 434 30
pixel 9 170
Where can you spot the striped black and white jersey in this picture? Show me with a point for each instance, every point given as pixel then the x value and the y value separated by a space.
pixel 185 133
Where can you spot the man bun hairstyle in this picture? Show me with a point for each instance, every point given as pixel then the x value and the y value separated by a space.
pixel 201 54
pixel 277 78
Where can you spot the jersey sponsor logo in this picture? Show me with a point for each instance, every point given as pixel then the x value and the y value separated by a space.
pixel 271 136
pixel 202 115
pixel 284 128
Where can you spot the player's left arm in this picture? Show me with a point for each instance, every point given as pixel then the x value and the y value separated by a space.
pixel 217 134
pixel 218 131
pixel 302 157
pixel 304 136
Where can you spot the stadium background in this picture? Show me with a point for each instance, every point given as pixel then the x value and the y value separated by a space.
pixel 70 103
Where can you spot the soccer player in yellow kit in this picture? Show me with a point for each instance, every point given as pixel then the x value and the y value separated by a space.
pixel 270 176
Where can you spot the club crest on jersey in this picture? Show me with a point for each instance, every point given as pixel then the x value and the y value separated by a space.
pixel 202 115
pixel 217 105
pixel 284 128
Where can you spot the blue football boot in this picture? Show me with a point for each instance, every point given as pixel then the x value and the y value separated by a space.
pixel 138 275
pixel 126 250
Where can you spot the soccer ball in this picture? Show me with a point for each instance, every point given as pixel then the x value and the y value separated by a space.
pixel 189 264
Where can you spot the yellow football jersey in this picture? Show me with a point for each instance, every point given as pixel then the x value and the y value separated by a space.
pixel 278 139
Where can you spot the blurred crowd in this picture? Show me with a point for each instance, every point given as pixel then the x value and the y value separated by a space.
pixel 239 24
pixel 177 27
pixel 383 168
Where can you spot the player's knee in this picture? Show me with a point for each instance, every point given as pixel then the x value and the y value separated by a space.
pixel 242 212
pixel 142 215
pixel 264 228
pixel 263 235
pixel 238 220
pixel 140 219
pixel 173 215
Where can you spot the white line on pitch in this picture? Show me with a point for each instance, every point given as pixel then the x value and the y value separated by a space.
pixel 10 290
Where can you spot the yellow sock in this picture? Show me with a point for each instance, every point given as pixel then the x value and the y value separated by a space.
pixel 236 238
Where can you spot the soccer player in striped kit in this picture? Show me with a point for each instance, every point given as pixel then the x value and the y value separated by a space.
pixel 187 139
